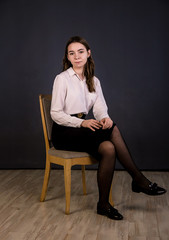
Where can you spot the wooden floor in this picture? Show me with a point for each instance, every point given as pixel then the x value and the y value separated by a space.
pixel 23 217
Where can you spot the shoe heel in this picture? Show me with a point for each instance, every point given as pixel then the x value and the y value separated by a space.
pixel 135 188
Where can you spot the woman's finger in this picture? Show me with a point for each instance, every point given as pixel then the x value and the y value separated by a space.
pixel 92 129
pixel 96 125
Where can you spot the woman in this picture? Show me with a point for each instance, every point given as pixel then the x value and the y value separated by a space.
pixel 75 91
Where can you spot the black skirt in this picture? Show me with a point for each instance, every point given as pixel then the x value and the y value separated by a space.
pixel 79 139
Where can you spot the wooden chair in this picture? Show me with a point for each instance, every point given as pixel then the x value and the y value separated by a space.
pixel 64 158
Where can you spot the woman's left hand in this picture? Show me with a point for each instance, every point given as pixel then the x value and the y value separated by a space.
pixel 106 123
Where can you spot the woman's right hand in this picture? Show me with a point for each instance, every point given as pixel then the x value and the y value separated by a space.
pixel 92 124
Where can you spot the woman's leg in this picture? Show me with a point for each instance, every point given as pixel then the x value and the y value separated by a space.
pixel 126 160
pixel 104 178
pixel 105 171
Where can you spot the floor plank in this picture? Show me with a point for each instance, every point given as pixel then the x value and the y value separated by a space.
pixel 23 217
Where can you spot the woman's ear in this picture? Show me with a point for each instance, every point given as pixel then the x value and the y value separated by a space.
pixel 89 53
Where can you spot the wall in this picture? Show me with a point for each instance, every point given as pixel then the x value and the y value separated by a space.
pixel 129 42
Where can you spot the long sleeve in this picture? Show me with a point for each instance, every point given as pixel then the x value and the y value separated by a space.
pixel 100 108
pixel 58 113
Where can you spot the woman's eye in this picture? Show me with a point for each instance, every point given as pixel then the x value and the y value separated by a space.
pixel 81 51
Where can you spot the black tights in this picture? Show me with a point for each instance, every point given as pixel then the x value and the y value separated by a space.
pixel 108 151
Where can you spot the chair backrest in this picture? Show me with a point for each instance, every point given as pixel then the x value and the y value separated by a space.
pixel 47 122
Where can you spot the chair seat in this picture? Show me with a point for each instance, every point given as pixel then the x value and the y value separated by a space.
pixel 67 154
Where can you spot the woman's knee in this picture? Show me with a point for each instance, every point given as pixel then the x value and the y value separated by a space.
pixel 107 148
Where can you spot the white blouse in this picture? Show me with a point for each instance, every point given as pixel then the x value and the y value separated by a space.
pixel 70 95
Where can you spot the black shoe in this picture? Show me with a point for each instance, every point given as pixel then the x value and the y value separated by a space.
pixel 153 189
pixel 111 212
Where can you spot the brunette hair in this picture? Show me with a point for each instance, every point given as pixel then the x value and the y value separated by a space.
pixel 89 66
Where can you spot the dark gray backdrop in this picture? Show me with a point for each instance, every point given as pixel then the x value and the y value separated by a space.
pixel 130 46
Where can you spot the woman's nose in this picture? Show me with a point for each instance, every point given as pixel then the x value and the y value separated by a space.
pixel 76 56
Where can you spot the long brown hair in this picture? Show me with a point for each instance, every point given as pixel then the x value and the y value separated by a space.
pixel 89 66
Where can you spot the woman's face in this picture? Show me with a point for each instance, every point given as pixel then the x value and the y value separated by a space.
pixel 77 55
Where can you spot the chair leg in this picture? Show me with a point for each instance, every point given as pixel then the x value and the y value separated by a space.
pixel 67 177
pixel 110 196
pixel 45 181
pixel 84 180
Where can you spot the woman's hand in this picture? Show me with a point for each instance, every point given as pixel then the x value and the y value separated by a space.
pixel 92 124
pixel 106 123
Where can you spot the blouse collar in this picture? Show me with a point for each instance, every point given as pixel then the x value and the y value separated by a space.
pixel 72 73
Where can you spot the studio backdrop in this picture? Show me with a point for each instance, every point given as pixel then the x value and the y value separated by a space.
pixel 130 46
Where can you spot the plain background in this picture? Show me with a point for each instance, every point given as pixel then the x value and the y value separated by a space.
pixel 130 46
